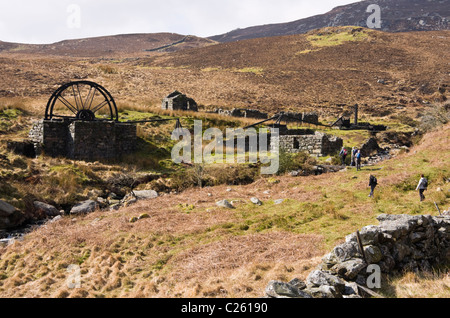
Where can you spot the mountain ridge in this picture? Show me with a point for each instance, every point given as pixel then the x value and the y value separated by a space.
pixel 110 45
pixel 396 16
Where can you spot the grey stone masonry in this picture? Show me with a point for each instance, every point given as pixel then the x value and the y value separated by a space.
pixel 83 140
pixel 317 143
pixel 400 243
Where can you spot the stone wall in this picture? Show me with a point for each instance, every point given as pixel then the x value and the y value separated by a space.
pixel 400 243
pixel 312 118
pixel 242 113
pixel 83 140
pixel 315 143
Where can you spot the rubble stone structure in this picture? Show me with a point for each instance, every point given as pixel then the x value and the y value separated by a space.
pixel 83 140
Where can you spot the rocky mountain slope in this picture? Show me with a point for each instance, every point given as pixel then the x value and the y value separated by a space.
pixel 396 16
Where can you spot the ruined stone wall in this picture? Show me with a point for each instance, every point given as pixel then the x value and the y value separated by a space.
pixel 312 118
pixel 84 140
pixel 318 144
pixel 400 243
pixel 242 113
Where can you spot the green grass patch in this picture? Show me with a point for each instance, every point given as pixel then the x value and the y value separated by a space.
pixel 338 37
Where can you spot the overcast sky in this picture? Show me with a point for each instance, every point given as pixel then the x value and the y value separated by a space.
pixel 49 21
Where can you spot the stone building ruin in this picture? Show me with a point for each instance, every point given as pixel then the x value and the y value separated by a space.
pixel 306 140
pixel 179 101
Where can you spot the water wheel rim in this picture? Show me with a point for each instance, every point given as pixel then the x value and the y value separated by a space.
pixel 82 107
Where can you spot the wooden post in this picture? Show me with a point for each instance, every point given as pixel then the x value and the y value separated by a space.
pixel 361 248
pixel 439 210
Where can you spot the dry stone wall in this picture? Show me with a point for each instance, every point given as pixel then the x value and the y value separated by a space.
pixel 400 243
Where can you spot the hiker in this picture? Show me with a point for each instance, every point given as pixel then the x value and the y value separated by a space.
pixel 358 160
pixel 422 187
pixel 354 151
pixel 343 155
pixel 373 182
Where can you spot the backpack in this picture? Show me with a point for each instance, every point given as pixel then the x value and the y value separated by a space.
pixel 425 183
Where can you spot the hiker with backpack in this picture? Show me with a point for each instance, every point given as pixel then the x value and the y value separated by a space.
pixel 343 155
pixel 358 160
pixel 373 182
pixel 422 187
pixel 354 151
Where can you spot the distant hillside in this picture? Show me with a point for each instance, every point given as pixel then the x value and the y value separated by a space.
pixel 110 45
pixel 396 16
pixel 330 66
pixel 325 69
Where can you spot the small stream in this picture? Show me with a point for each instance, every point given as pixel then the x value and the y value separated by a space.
pixel 8 237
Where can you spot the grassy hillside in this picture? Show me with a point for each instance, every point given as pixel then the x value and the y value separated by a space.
pixel 188 247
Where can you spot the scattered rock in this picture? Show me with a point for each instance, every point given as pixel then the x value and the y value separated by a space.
pixel 277 202
pixel 84 207
pixel 256 201
pixel 56 219
pixel 145 194
pixel 225 204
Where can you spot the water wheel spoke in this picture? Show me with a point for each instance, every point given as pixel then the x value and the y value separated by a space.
pixel 90 98
pixel 80 97
pixel 75 97
pixel 66 103
pixel 99 106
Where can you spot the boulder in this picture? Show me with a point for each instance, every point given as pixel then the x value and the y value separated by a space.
pixel 6 209
pixel 145 194
pixel 277 289
pixel 45 210
pixel 10 217
pixel 84 207
pixel 256 201
pixel 225 204
pixel 369 147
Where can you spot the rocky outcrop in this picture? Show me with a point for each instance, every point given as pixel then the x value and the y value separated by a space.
pixel 400 243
